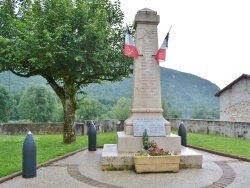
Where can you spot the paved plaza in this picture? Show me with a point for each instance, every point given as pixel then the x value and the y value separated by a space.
pixel 83 169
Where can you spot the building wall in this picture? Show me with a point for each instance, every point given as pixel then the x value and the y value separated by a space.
pixel 224 128
pixel 235 102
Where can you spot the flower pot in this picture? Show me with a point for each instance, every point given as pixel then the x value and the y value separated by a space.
pixel 163 163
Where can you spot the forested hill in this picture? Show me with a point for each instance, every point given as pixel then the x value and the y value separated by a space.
pixel 182 90
pixel 14 83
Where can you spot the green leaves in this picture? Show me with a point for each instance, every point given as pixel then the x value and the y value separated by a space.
pixel 6 104
pixel 122 109
pixel 63 35
pixel 69 43
pixel 3 40
pixel 38 104
pixel 79 58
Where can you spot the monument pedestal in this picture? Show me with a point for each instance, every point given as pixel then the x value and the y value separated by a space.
pixel 145 114
pixel 130 144
pixel 120 156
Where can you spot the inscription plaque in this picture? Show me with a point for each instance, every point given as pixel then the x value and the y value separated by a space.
pixel 154 126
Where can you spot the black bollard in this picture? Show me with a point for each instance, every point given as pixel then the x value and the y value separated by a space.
pixel 92 137
pixel 29 157
pixel 183 134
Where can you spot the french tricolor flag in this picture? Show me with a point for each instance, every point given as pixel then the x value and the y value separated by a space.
pixel 129 46
pixel 161 53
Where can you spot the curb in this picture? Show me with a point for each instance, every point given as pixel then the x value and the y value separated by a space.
pixel 220 153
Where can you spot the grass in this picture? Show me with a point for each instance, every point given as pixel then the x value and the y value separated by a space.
pixel 51 146
pixel 48 147
pixel 234 146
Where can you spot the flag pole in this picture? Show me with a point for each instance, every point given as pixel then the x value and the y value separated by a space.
pixel 169 28
pixel 164 48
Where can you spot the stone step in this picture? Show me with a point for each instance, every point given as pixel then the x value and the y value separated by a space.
pixel 112 160
pixel 190 158
pixel 129 143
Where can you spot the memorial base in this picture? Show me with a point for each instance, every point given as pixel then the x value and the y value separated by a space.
pixel 112 160
pixel 129 124
pixel 129 130
pixel 129 143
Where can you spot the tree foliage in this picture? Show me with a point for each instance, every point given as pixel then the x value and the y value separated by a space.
pixel 175 113
pixel 165 108
pixel 89 110
pixel 109 93
pixel 69 43
pixel 122 109
pixel 6 104
pixel 14 113
pixel 202 112
pixel 38 104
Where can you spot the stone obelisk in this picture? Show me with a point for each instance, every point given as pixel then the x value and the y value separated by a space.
pixel 146 112
pixel 146 97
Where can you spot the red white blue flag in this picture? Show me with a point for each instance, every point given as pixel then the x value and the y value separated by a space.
pixel 129 46
pixel 161 53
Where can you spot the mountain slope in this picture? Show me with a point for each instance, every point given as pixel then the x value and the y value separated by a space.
pixel 181 90
pixel 186 91
pixel 14 83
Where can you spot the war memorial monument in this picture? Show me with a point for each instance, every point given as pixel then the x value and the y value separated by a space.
pixel 146 112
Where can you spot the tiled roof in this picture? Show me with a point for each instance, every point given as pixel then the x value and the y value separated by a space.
pixel 243 76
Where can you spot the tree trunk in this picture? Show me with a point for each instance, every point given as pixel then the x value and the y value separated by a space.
pixel 69 106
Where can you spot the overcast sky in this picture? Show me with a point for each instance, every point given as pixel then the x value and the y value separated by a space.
pixel 209 38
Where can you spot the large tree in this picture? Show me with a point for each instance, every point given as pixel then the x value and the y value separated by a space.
pixel 71 43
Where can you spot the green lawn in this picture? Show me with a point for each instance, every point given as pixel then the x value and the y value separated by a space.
pixel 51 146
pixel 48 147
pixel 233 146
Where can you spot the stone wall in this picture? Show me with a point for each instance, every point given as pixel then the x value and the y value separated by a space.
pixel 35 128
pixel 57 128
pixel 102 126
pixel 225 128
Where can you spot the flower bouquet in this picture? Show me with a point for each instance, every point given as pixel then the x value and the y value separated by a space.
pixel 154 159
